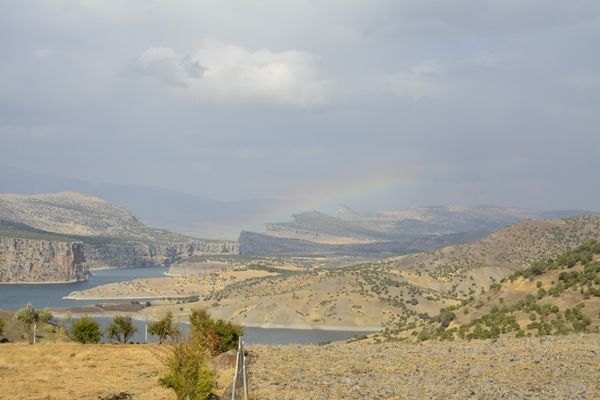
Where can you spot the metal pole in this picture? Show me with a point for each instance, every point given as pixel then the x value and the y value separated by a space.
pixel 244 370
pixel 146 333
pixel 237 360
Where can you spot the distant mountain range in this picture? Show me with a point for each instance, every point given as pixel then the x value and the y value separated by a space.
pixel 377 234
pixel 387 233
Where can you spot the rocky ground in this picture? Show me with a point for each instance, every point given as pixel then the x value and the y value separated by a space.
pixel 565 367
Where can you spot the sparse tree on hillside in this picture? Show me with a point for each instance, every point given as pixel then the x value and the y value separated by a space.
pixel 86 330
pixel 121 329
pixel 164 328
pixel 31 317
pixel 1 327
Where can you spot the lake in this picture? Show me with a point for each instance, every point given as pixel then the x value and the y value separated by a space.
pixel 13 297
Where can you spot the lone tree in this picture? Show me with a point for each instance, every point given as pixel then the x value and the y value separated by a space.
pixel 1 327
pixel 85 330
pixel 164 328
pixel 31 317
pixel 121 329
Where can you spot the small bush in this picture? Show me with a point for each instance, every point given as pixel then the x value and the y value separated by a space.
pixel 188 371
pixel 218 335
pixel 85 330
pixel 30 317
pixel 121 329
pixel 164 328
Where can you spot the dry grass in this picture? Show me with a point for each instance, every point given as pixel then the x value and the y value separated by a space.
pixel 74 371
pixel 53 371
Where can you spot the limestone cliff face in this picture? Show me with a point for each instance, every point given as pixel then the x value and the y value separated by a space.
pixel 124 253
pixel 32 260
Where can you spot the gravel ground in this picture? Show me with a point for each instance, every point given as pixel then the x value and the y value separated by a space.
pixel 565 367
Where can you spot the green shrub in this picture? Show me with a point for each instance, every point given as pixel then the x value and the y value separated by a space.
pixel 188 371
pixel 121 329
pixel 219 336
pixel 30 317
pixel 85 330
pixel 445 318
pixel 164 328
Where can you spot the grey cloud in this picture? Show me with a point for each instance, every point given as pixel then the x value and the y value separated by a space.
pixel 483 101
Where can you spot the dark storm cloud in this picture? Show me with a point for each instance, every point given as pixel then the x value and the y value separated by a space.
pixel 482 101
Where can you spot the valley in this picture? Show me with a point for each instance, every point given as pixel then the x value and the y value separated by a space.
pixel 395 293
pixel 426 299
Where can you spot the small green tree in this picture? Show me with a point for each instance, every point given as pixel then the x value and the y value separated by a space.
pixel 85 330
pixel 1 327
pixel 188 370
pixel 228 334
pixel 218 336
pixel 164 328
pixel 121 329
pixel 31 317
pixel 446 317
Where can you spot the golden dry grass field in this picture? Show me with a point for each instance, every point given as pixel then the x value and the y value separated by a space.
pixel 65 371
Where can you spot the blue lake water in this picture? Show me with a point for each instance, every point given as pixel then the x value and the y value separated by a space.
pixel 13 297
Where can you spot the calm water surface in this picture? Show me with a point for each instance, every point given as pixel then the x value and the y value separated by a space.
pixel 13 297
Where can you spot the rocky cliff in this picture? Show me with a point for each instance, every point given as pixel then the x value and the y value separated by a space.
pixel 31 260
pixel 111 235
pixel 126 253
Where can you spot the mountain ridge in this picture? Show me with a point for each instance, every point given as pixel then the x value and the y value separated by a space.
pixel 111 235
pixel 397 230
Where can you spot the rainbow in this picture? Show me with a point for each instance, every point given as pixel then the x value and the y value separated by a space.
pixel 328 197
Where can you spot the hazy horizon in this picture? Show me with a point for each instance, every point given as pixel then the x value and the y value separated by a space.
pixel 378 105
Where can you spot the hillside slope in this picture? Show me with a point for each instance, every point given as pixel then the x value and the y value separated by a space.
pixel 553 297
pixel 464 269
pixel 402 291
pixel 76 214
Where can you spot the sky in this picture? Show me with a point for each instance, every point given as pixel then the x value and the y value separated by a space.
pixel 376 104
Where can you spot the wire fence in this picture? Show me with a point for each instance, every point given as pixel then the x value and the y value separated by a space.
pixel 239 388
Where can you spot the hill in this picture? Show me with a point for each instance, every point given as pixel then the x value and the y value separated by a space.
pixel 463 270
pixel 110 234
pixel 552 297
pixel 155 206
pixel 386 233
pixel 76 214
pixel 399 292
